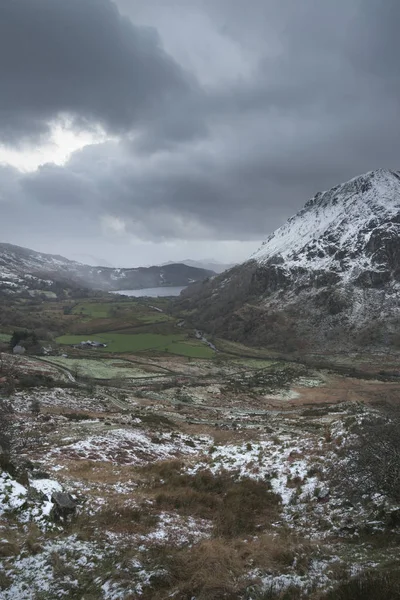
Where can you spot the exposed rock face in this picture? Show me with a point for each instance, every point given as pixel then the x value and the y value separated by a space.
pixel 328 278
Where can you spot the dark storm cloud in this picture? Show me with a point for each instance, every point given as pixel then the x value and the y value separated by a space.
pixel 315 103
pixel 10 190
pixel 54 185
pixel 375 50
pixel 80 58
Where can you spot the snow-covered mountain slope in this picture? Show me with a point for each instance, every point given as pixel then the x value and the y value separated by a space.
pixel 24 270
pixel 329 276
pixel 338 229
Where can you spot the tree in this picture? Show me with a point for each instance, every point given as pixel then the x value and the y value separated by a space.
pixel 28 339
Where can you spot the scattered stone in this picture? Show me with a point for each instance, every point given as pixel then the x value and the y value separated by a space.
pixel 64 506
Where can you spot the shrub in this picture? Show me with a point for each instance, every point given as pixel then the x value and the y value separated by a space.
pixel 218 568
pixel 374 464
pixel 27 381
pixel 28 339
pixel 78 416
pixel 209 570
pixel 371 585
pixel 290 593
pixel 247 506
pixel 5 580
pixel 6 432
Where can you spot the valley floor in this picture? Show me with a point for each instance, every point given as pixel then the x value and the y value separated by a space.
pixel 193 479
pixel 224 477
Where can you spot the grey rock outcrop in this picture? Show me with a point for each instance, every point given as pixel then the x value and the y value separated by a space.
pixel 64 506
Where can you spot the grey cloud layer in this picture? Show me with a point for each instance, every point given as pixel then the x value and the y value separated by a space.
pixel 318 104
pixel 82 58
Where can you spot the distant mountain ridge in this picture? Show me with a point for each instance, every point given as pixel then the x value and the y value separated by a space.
pixel 207 264
pixel 328 278
pixel 22 269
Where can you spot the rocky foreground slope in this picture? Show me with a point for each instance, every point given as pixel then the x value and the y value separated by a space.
pixel 329 278
pixel 22 269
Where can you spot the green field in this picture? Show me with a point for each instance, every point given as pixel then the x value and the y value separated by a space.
pixel 240 350
pixel 142 342
pixel 96 310
pixel 195 350
pixel 120 310
pixel 100 368
pixel 5 337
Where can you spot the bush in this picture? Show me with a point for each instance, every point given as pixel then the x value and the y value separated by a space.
pixel 218 568
pixel 374 458
pixel 246 507
pixel 78 416
pixel 28 339
pixel 208 571
pixel 27 381
pixel 237 507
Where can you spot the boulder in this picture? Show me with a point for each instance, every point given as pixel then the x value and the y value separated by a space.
pixel 64 506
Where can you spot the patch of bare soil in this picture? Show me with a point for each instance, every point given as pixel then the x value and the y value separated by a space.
pixel 337 389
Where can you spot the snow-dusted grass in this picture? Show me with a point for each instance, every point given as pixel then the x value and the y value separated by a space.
pixel 281 461
pixel 170 510
pixel 124 446
pixel 12 493
pixel 73 400
pixel 101 368
pixel 30 366
pixel 54 572
pixel 17 500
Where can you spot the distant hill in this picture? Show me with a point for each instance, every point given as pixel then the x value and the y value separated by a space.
pixel 207 264
pixel 30 272
pixel 328 279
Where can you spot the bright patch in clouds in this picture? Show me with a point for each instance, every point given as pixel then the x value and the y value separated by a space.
pixel 113 226
pixel 62 142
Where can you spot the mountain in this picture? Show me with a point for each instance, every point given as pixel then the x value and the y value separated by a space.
pixel 30 272
pixel 328 279
pixel 207 264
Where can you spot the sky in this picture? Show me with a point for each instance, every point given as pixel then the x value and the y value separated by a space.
pixel 138 132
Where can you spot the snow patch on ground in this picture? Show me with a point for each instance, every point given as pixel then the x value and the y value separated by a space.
pixel 26 507
pixel 123 446
pixel 12 494
pixel 177 530
pixel 32 575
pixel 279 463
pixel 46 486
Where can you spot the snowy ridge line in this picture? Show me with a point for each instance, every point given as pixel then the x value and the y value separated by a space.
pixel 343 218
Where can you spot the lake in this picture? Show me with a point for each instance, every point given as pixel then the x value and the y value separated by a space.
pixel 156 292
